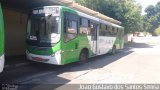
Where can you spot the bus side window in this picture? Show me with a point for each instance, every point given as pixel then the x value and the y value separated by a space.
pixel 114 31
pixel 71 28
pixel 84 26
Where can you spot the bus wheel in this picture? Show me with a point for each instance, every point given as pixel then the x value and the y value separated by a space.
pixel 113 50
pixel 83 56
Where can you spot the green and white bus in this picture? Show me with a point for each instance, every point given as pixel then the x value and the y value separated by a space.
pixel 61 35
pixel 1 40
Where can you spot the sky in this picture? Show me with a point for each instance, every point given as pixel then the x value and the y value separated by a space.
pixel 146 3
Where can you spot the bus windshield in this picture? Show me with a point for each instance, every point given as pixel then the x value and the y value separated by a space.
pixel 43 29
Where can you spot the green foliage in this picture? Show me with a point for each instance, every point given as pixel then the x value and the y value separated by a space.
pixel 150 10
pixel 126 11
pixel 157 31
pixel 152 18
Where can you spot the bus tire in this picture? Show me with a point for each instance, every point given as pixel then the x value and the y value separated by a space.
pixel 113 50
pixel 83 57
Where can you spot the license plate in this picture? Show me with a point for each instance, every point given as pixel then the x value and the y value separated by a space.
pixel 39 59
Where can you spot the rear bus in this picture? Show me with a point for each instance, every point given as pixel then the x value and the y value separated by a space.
pixel 1 41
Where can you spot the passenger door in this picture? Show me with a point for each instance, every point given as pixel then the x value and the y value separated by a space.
pixel 94 31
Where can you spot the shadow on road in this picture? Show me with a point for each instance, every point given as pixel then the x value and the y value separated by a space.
pixel 38 74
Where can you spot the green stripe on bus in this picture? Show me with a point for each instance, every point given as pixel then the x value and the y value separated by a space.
pixel 1 32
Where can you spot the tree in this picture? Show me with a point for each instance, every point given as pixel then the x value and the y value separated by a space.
pixel 150 10
pixel 157 31
pixel 157 7
pixel 152 17
pixel 126 11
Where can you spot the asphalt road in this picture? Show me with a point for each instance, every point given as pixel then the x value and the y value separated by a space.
pixel 137 63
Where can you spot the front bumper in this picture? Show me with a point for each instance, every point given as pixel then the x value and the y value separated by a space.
pixel 50 59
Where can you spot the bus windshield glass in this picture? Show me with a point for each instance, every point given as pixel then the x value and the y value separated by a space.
pixel 43 28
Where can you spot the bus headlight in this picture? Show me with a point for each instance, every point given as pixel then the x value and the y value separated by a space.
pixel 53 55
pixel 27 52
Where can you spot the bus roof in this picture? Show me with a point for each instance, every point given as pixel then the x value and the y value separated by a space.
pixel 88 16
